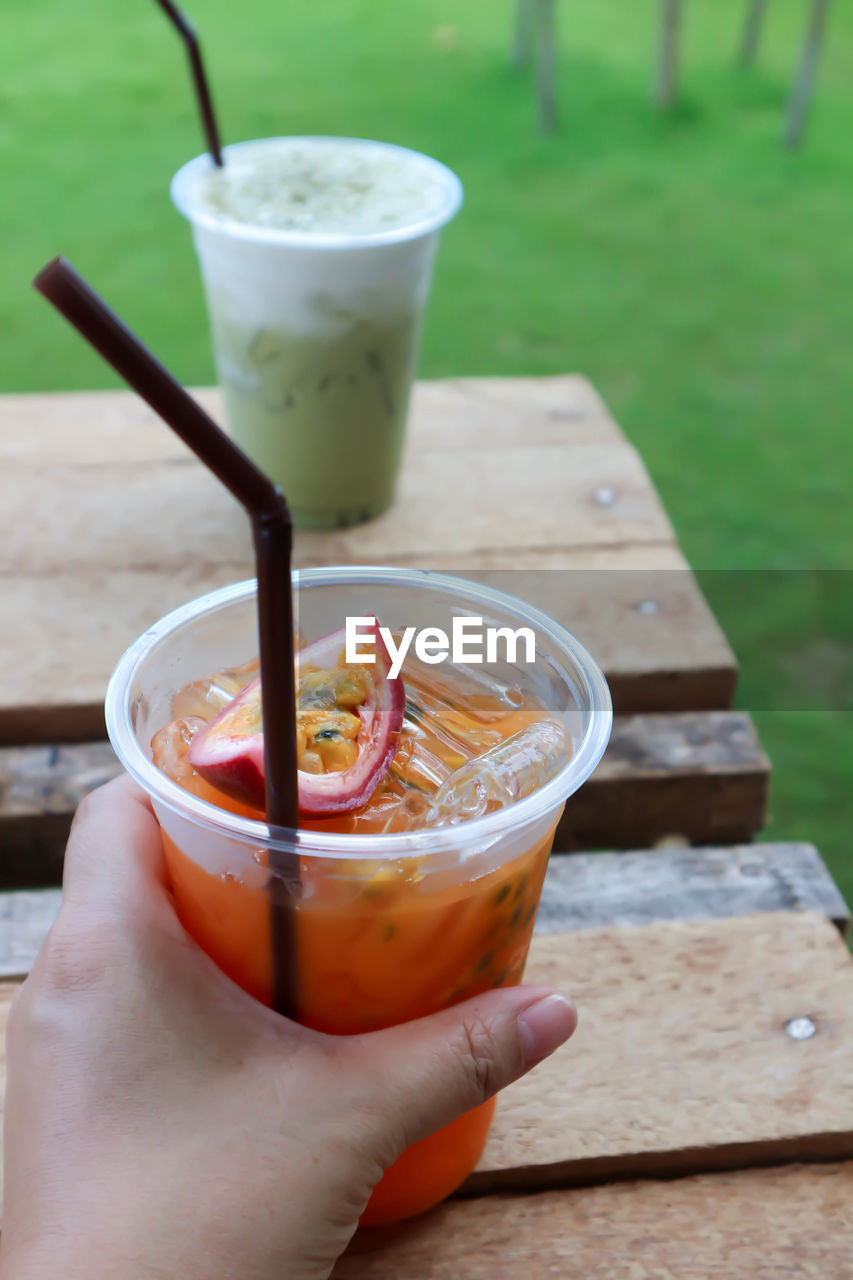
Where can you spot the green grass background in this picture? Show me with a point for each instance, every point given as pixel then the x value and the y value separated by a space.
pixel 697 272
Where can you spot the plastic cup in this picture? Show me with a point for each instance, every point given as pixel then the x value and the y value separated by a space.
pixel 387 928
pixel 316 336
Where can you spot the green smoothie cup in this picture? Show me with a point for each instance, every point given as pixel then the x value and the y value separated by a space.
pixel 316 256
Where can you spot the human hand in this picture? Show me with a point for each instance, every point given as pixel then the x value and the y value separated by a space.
pixel 160 1122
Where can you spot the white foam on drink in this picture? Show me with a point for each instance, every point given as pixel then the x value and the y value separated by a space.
pixel 324 185
pixel 314 281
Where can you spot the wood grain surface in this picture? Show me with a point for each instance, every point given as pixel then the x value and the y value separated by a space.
pixel 681 1062
pixel 25 918
pixel 794 1223
pixel 602 890
pixel 699 775
pixel 581 891
pixel 129 525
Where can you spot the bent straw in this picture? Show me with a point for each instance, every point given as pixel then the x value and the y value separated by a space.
pixel 187 33
pixel 273 535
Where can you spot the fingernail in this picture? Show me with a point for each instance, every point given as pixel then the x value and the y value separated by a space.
pixel 544 1026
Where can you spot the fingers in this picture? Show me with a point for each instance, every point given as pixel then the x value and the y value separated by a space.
pixel 114 856
pixel 428 1072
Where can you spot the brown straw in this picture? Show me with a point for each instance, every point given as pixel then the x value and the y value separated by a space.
pixel 273 533
pixel 187 33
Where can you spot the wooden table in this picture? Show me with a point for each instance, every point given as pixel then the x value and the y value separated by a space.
pixel 696 969
pixel 109 523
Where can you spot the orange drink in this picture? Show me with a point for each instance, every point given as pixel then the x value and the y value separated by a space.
pixel 424 895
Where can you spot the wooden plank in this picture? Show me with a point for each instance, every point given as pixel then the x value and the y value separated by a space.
pixel 25 919
pixel 674 657
pixel 681 1062
pixel 131 526
pixel 701 776
pixel 600 890
pixel 526 471
pixel 97 427
pixel 584 891
pixel 757 1224
pixel 97 613
pixel 650 629
pixel 40 789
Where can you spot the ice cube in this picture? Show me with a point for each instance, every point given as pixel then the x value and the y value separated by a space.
pixel 476 692
pixel 169 748
pixel 407 813
pixel 416 762
pixel 207 697
pixel 505 773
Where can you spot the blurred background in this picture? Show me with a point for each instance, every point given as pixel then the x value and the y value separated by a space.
pixel 699 272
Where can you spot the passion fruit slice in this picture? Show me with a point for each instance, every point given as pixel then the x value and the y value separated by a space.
pixel 348 719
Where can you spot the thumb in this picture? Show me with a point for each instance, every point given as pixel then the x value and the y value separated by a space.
pixel 436 1068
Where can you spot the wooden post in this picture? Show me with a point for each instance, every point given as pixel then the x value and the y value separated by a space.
pixel 522 36
pixel 801 93
pixel 751 32
pixel 667 72
pixel 546 65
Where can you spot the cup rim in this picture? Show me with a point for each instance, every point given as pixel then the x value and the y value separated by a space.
pixel 474 835
pixel 181 185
